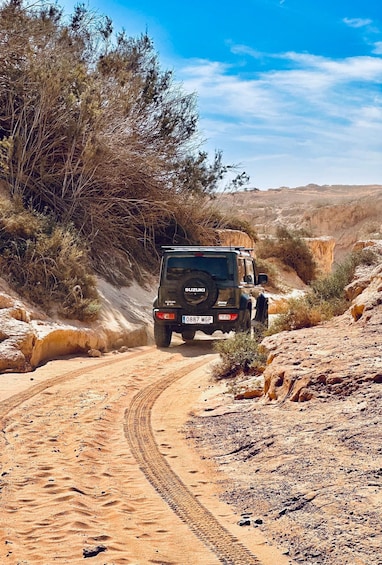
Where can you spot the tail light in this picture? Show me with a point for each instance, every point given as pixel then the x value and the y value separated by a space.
pixel 227 317
pixel 165 315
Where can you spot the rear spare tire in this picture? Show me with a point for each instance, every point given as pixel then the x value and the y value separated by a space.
pixel 197 291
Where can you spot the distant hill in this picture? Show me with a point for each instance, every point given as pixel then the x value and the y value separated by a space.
pixel 346 212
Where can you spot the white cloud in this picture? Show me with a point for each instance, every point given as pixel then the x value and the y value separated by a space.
pixel 371 32
pixel 319 120
pixel 350 68
pixel 245 50
pixel 357 22
pixel 268 94
pixel 224 93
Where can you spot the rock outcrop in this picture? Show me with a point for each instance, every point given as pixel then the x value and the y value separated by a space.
pixel 368 294
pixel 235 238
pixel 322 249
pixel 347 222
pixel 29 338
pixel 336 357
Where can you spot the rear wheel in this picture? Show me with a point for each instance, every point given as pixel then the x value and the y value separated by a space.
pixel 162 335
pixel 188 335
pixel 261 316
pixel 247 322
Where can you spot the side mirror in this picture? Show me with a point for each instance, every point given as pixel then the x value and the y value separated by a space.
pixel 262 278
pixel 248 279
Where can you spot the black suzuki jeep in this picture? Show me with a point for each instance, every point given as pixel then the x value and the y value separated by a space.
pixel 207 289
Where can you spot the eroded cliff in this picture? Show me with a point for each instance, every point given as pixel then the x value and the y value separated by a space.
pixel 336 357
pixel 28 337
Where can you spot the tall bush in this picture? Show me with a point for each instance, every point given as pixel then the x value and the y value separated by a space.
pixel 93 131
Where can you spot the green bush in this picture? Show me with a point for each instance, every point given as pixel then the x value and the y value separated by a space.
pixel 332 286
pixel 239 353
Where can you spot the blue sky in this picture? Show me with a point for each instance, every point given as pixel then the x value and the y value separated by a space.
pixel 290 90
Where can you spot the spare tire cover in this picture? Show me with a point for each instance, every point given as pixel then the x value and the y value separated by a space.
pixel 197 291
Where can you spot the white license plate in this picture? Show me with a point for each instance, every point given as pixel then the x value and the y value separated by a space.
pixel 197 319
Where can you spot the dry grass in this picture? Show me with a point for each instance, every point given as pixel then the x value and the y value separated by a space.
pixel 95 133
pixel 46 263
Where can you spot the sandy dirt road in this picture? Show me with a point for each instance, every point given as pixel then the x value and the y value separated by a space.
pixel 95 464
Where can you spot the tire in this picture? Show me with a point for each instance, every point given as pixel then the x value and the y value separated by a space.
pixel 247 326
pixel 261 316
pixel 162 335
pixel 197 291
pixel 188 335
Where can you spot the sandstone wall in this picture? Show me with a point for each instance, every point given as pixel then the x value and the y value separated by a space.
pixel 29 338
pixel 235 238
pixel 336 357
pixel 347 222
pixel 322 249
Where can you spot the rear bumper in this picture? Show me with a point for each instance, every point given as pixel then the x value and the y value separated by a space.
pixel 178 325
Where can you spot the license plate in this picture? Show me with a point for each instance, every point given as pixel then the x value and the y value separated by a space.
pixel 197 319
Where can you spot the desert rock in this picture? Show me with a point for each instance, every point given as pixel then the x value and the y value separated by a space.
pixel 29 337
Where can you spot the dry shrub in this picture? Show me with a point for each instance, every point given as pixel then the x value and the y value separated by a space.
pixel 292 250
pixel 239 354
pixel 95 132
pixel 326 298
pixel 221 220
pixel 46 264
pixel 298 314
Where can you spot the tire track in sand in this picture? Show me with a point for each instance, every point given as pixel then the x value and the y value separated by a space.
pixel 137 430
pixel 200 520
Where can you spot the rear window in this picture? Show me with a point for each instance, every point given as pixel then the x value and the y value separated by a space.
pixel 217 267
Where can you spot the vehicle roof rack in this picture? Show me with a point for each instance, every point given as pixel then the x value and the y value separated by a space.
pixel 206 247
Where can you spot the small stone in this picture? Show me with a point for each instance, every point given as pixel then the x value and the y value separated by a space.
pixel 94 353
pixel 93 551
pixel 245 521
